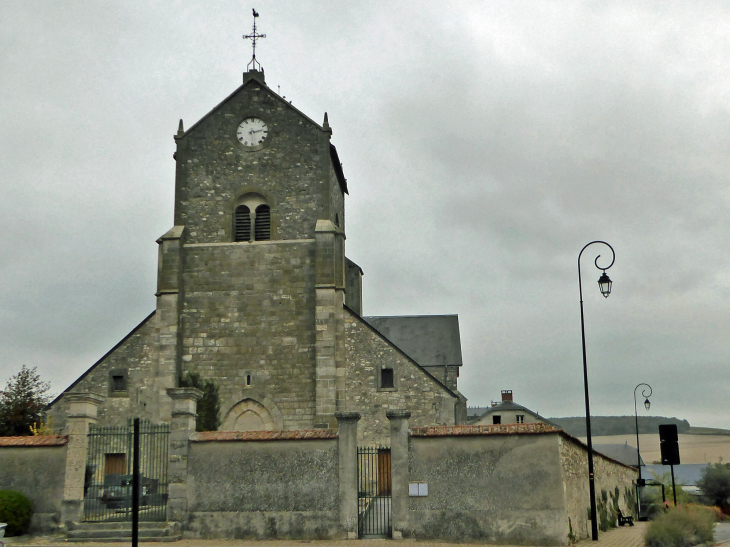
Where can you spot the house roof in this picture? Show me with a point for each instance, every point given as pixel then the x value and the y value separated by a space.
pixel 503 407
pixel 430 340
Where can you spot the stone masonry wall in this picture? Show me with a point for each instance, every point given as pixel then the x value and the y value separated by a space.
pixel 493 488
pixel 249 310
pixel 264 489
pixel 367 352
pixel 38 472
pixel 292 169
pixel 135 356
pixel 609 475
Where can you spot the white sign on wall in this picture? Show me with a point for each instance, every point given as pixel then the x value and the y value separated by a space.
pixel 418 489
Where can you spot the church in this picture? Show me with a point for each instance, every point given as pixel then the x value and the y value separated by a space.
pixel 256 295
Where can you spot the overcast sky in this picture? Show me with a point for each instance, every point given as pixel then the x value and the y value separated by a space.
pixel 484 143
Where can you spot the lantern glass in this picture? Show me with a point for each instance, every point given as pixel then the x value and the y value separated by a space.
pixel 647 404
pixel 604 283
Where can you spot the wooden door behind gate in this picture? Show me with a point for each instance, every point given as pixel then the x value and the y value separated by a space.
pixel 374 492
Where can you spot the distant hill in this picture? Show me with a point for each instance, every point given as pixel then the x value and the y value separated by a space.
pixel 618 425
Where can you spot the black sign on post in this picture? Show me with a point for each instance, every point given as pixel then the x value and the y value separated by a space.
pixel 135 486
pixel 670 450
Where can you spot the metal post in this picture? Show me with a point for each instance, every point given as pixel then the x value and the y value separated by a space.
pixel 591 478
pixel 638 450
pixel 135 486
pixel 674 486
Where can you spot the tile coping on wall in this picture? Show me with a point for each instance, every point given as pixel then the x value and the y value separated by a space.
pixel 278 435
pixel 40 440
pixel 500 429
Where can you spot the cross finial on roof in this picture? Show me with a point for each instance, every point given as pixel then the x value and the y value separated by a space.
pixel 254 64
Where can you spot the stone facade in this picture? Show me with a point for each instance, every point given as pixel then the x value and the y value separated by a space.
pixel 367 353
pixel 262 315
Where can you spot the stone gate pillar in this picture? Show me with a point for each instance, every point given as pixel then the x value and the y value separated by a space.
pixel 82 412
pixel 399 469
pixel 347 450
pixel 184 413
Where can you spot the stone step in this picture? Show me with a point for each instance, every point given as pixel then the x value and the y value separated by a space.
pixel 142 538
pixel 121 533
pixel 121 525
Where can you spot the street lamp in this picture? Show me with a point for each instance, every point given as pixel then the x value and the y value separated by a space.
pixel 604 284
pixel 647 405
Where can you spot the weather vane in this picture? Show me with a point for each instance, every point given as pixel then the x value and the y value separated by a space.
pixel 253 37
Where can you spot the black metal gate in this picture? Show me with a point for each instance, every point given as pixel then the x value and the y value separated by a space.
pixel 374 492
pixel 108 479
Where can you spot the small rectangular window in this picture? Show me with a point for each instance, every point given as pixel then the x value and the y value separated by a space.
pixel 386 378
pixel 118 383
pixel 496 420
pixel 520 418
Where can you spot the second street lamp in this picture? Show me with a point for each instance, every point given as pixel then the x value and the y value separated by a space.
pixel 604 284
pixel 647 405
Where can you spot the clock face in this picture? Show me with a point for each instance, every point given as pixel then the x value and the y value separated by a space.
pixel 252 132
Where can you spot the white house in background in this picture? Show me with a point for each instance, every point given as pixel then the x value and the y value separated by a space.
pixel 506 412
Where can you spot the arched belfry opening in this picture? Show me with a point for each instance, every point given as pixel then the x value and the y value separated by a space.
pixel 252 218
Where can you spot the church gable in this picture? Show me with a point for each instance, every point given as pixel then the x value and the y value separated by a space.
pixel 380 377
pixel 124 377
pixel 255 143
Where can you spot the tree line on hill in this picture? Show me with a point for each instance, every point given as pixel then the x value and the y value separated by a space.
pixel 617 425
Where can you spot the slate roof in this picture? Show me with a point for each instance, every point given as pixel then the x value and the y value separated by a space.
pixel 41 440
pixel 279 435
pixel 430 340
pixel 502 407
pixel 624 453
pixel 685 474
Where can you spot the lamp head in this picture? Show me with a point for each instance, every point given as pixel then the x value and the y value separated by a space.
pixel 647 404
pixel 604 283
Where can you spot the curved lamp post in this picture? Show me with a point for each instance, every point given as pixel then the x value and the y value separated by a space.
pixel 604 284
pixel 647 405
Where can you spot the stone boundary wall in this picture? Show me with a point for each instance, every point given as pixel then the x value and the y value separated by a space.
pixel 612 477
pixel 487 488
pixel 266 488
pixel 35 466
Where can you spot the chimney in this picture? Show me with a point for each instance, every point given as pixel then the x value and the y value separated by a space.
pixel 506 395
pixel 494 403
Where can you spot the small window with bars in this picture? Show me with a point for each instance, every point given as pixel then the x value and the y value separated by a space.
pixel 263 223
pixel 243 223
pixel 520 418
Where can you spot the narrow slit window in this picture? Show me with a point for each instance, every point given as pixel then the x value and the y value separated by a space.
pixel 263 223
pixel 248 379
pixel 520 418
pixel 243 223
pixel 386 378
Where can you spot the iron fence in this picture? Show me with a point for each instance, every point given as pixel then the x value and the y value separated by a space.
pixel 374 491
pixel 108 480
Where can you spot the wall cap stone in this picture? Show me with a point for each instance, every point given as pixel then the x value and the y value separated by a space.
pixel 184 393
pixel 40 440
pixel 395 414
pixel 347 415
pixel 84 397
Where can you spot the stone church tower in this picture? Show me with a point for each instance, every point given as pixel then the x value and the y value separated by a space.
pixel 255 293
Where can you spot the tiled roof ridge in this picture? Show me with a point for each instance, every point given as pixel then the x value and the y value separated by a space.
pixel 470 430
pixel 278 435
pixel 40 440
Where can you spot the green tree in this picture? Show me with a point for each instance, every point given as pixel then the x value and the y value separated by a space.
pixel 209 407
pixel 715 484
pixel 22 403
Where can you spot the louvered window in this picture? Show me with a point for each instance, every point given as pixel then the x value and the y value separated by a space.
pixel 243 223
pixel 263 223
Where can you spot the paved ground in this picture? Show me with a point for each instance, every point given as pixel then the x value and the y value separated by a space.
pixel 627 536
